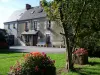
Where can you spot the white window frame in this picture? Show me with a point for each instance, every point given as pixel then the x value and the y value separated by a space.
pixel 34 25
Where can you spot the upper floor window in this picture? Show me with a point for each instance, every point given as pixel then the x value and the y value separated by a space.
pixel 32 12
pixel 8 26
pixel 48 24
pixel 34 25
pixel 13 25
pixel 26 27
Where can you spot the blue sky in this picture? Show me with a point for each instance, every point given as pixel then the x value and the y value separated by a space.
pixel 7 7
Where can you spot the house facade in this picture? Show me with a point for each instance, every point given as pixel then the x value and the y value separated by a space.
pixel 31 27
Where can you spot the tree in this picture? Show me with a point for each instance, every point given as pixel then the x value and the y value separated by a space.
pixel 73 14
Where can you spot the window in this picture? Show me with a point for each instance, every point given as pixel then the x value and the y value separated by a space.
pixel 40 10
pixel 32 12
pixel 13 25
pixel 48 24
pixel 8 26
pixel 26 27
pixel 34 25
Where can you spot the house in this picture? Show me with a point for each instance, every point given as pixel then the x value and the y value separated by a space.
pixel 31 27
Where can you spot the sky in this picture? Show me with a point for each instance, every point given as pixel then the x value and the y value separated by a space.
pixel 7 7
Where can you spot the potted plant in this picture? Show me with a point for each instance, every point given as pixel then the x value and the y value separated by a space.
pixel 80 56
pixel 34 63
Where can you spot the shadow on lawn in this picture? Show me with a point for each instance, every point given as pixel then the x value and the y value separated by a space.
pixel 90 70
pixel 8 51
pixel 94 63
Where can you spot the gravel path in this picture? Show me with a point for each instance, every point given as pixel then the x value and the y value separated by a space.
pixel 39 49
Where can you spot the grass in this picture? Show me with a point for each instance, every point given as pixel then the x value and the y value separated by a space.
pixel 6 60
pixel 93 68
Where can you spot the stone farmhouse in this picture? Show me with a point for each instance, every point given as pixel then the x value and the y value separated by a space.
pixel 31 27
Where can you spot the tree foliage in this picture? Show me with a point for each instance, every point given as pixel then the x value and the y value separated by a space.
pixel 80 21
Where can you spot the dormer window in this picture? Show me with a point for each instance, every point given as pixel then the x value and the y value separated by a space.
pixel 40 10
pixel 49 24
pixel 32 12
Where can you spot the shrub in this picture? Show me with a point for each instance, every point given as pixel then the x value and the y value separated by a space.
pixel 34 63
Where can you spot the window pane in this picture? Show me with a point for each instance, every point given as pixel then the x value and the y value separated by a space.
pixel 8 26
pixel 35 25
pixel 14 25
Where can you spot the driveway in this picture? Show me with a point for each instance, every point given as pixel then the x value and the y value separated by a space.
pixel 39 49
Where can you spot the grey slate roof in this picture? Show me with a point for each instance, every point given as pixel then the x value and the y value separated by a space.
pixel 35 12
pixel 16 15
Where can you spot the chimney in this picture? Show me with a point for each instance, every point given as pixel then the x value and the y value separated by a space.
pixel 28 6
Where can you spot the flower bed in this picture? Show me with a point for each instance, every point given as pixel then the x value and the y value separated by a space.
pixel 80 56
pixel 34 63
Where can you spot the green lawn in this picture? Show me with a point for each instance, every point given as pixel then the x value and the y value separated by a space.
pixel 8 59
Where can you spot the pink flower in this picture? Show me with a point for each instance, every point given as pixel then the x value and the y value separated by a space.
pixel 36 68
pixel 44 54
pixel 80 51
pixel 19 68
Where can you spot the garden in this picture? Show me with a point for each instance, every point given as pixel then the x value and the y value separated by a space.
pixel 9 59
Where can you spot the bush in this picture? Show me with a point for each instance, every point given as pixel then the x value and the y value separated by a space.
pixel 35 63
pixel 90 42
pixel 94 51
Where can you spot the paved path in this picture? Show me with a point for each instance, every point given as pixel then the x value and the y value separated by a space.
pixel 39 49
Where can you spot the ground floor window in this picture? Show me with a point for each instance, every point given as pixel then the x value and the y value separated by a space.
pixel 48 38
pixel 27 40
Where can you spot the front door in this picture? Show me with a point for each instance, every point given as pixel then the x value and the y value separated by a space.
pixel 35 39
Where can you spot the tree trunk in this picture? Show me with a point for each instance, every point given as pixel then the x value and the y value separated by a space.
pixel 69 63
pixel 69 54
pixel 68 47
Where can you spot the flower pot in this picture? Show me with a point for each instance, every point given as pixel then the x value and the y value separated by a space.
pixel 80 59
pixel 83 59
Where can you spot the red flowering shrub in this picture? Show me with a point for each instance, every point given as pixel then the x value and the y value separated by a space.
pixel 35 63
pixel 81 51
